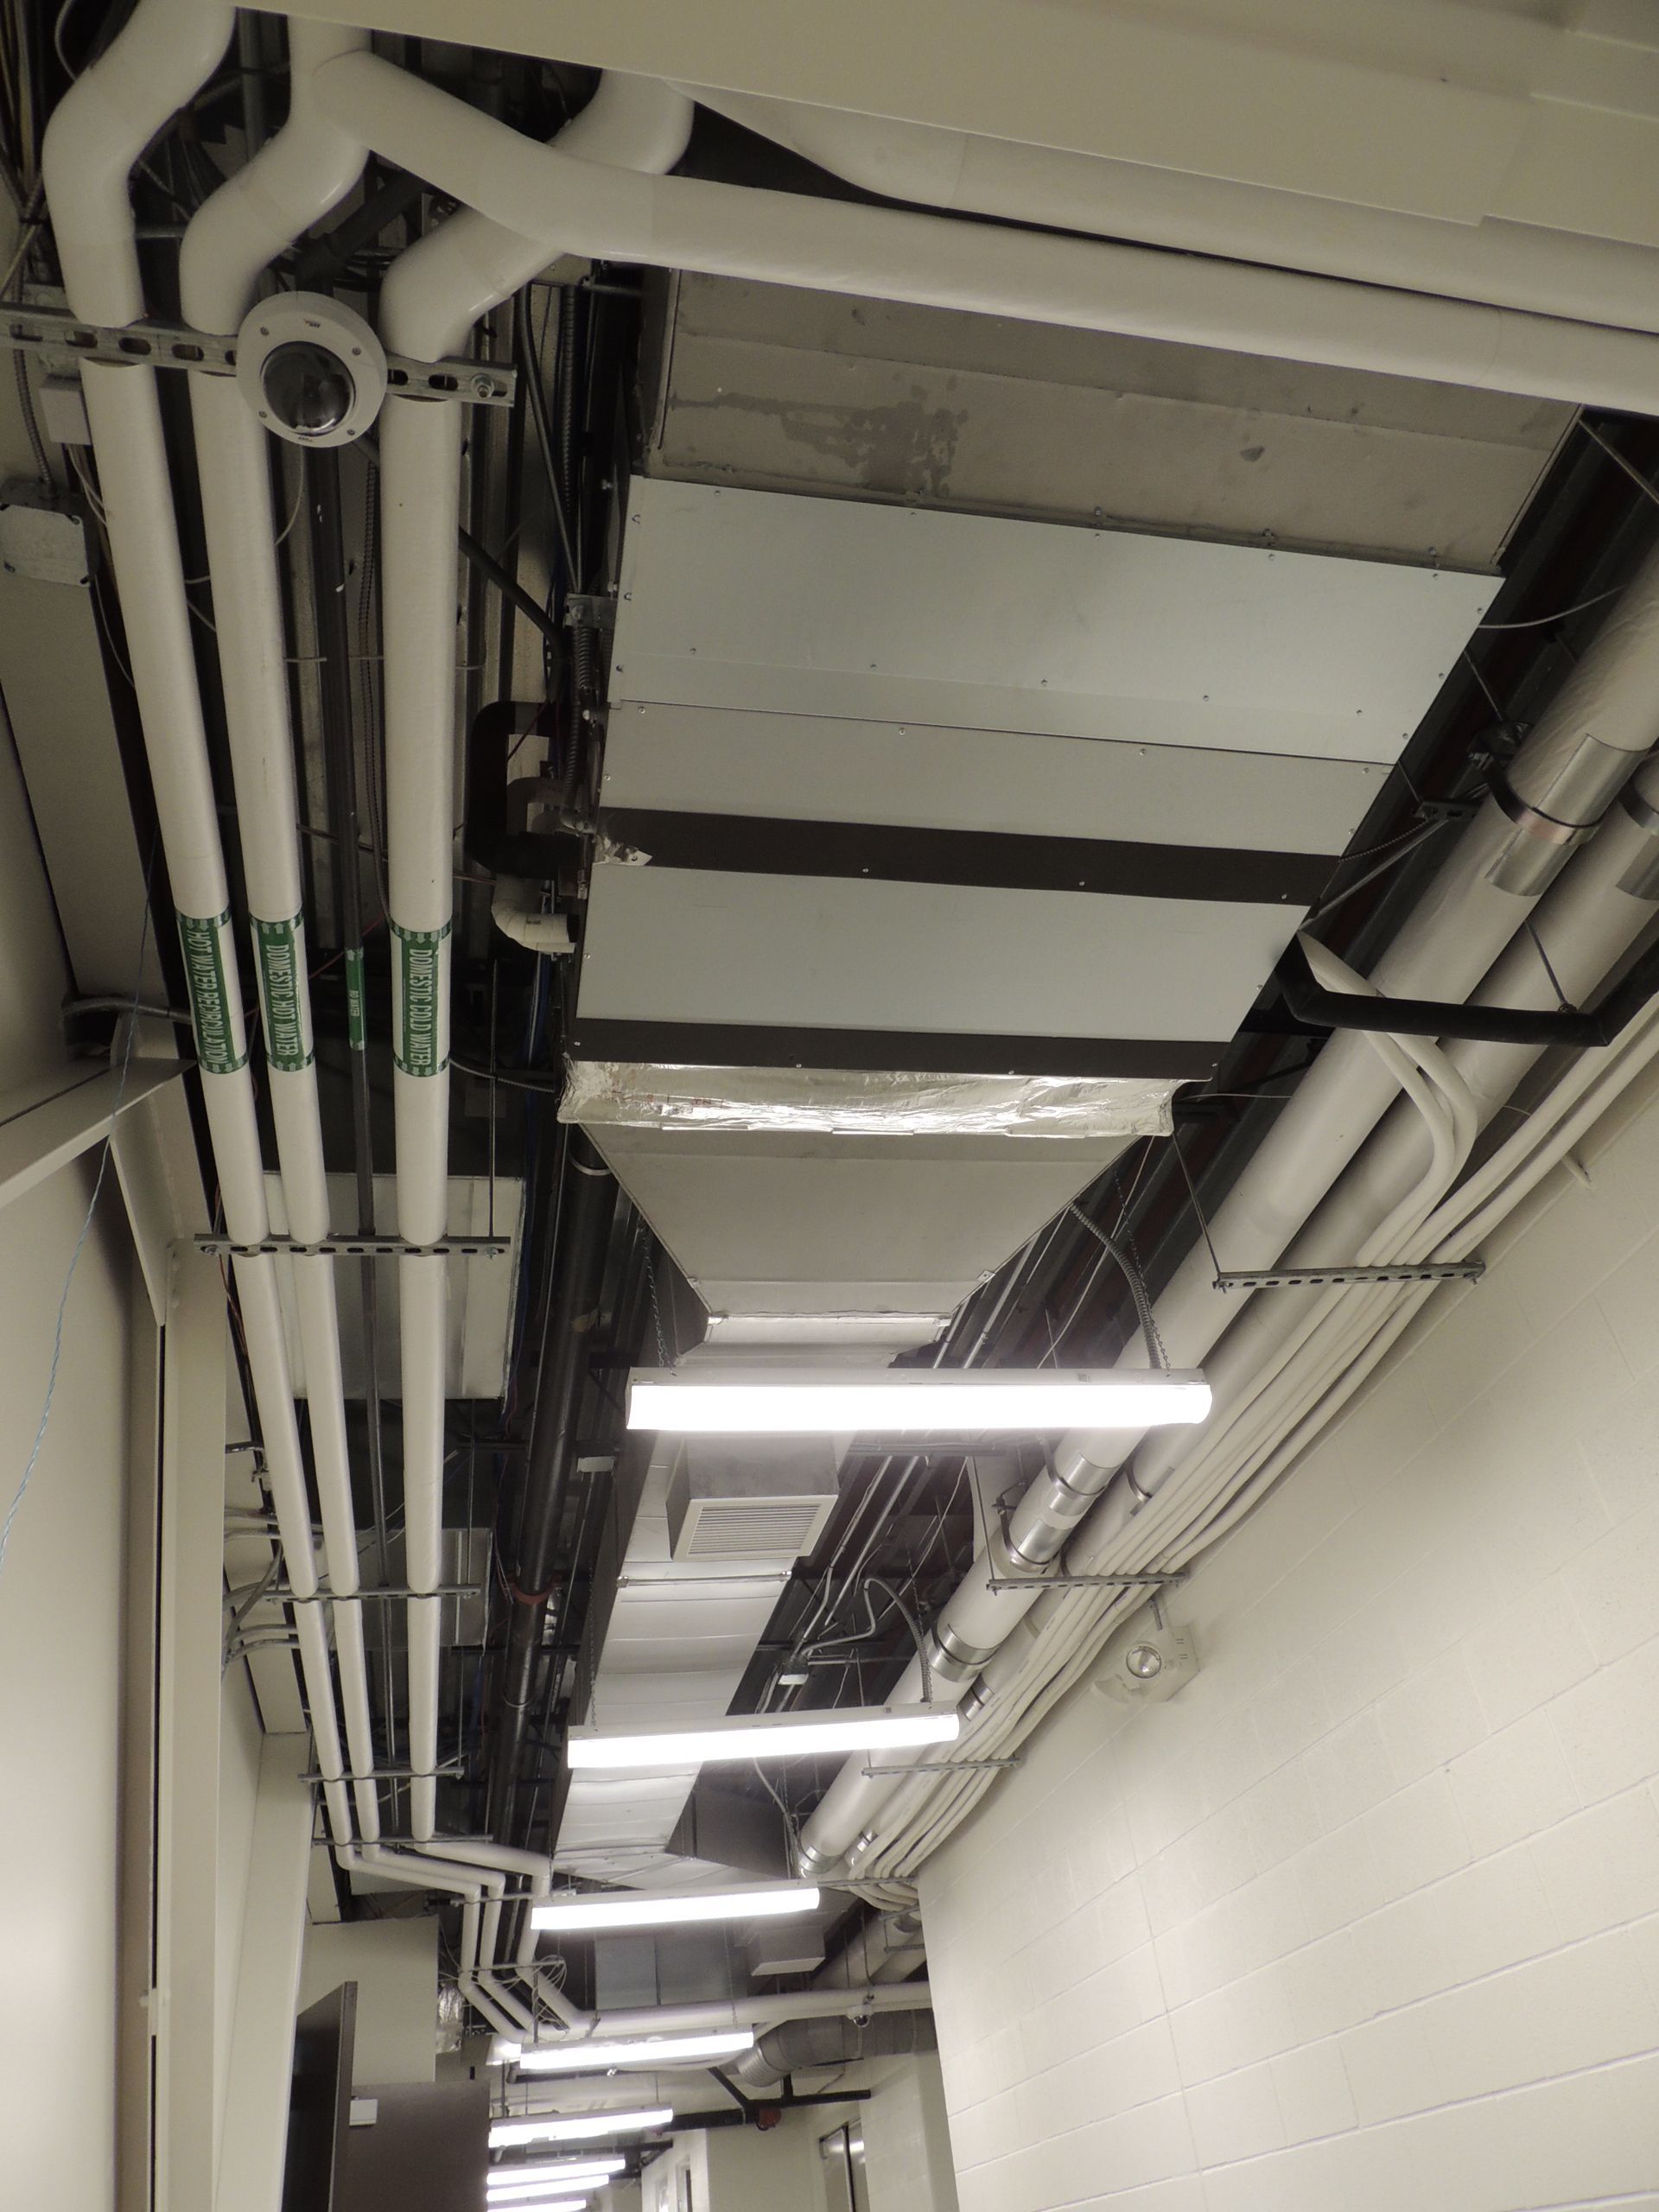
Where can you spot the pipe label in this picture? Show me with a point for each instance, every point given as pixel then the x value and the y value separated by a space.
pixel 281 949
pixel 217 1016
pixel 357 1027
pixel 420 1012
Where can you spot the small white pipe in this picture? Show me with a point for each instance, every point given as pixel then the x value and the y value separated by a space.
pixel 1035 276
pixel 1505 264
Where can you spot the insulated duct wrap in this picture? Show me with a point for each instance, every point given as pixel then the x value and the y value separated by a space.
pixel 800 2045
pixel 836 1102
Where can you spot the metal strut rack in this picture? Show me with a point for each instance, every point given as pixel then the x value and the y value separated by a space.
pixel 63 341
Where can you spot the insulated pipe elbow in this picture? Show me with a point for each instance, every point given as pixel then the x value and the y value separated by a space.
pixel 164 54
pixel 1032 275
pixel 294 180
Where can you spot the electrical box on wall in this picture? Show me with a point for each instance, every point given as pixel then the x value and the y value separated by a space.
pixel 1149 1664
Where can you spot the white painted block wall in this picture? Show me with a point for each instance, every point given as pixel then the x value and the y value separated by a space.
pixel 1367 1918
pixel 907 2139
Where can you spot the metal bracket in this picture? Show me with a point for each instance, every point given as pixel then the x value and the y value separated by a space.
pixel 1314 1278
pixel 1317 1008
pixel 396 1594
pixel 590 611
pixel 359 1247
pixel 1085 1581
pixel 939 1766
pixel 62 340
pixel 450 1767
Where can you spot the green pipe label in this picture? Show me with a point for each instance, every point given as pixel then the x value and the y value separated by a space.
pixel 418 1022
pixel 281 949
pixel 357 1027
pixel 213 1009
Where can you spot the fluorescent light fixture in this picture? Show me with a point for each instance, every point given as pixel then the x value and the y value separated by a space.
pixel 595 2057
pixel 628 1909
pixel 576 2127
pixel 765 1736
pixel 582 2172
pixel 539 2201
pixel 895 1401
pixel 523 2192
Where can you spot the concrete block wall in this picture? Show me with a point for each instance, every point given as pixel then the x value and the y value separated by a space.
pixel 1367 1917
pixel 907 2139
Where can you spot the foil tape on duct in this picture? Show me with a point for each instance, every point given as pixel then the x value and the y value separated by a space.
pixel 629 1094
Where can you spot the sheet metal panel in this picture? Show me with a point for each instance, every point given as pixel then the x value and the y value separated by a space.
pixel 684 945
pixel 773 603
pixel 709 760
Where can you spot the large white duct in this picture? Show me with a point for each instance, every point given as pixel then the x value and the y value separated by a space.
pixel 1031 276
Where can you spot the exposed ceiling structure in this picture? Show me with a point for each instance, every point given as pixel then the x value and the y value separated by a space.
pixel 786 733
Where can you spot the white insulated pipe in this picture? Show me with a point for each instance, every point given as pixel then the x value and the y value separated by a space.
pixel 160 59
pixel 1593 914
pixel 1505 264
pixel 306 169
pixel 431 299
pixel 930 260
pixel 1581 751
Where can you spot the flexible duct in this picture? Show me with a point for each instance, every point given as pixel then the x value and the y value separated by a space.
pixel 1031 276
pixel 800 2045
pixel 1505 264
pixel 161 58
pixel 433 295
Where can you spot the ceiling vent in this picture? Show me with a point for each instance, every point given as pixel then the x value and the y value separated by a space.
pixel 729 1498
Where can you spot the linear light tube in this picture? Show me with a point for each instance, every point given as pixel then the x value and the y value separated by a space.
pixel 536 2192
pixel 571 2173
pixel 814 1401
pixel 595 2057
pixel 532 2202
pixel 764 1736
pixel 579 1914
pixel 577 2127
pixel 532 2192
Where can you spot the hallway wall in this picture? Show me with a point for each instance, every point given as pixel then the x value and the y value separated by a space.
pixel 1367 1915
